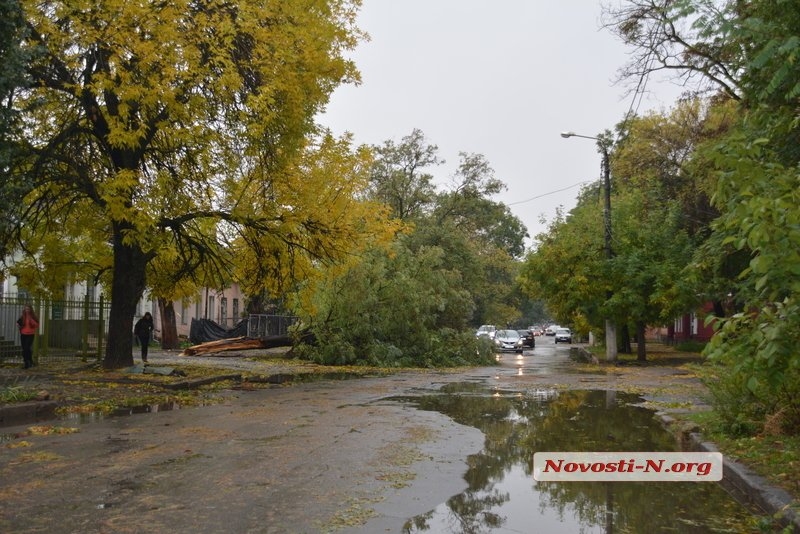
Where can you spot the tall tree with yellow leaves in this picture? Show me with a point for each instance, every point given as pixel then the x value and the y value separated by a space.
pixel 175 131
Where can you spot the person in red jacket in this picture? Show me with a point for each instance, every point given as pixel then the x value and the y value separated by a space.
pixel 28 324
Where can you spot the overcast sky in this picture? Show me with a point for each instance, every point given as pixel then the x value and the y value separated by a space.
pixel 500 78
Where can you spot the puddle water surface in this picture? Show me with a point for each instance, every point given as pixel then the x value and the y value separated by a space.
pixel 502 495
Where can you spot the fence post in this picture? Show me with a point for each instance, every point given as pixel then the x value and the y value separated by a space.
pixel 44 339
pixel 37 306
pixel 85 327
pixel 101 329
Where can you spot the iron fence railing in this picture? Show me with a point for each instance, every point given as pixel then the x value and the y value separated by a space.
pixel 261 326
pixel 67 328
pixel 79 328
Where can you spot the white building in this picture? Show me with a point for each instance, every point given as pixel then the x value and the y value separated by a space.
pixel 226 307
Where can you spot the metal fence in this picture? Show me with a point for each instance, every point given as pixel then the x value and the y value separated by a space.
pixel 67 328
pixel 79 328
pixel 261 326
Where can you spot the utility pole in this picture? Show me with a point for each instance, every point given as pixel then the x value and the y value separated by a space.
pixel 602 147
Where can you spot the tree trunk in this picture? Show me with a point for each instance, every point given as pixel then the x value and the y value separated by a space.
pixel 625 339
pixel 169 325
pixel 127 287
pixel 641 346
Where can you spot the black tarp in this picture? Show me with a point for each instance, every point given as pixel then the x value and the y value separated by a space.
pixel 204 330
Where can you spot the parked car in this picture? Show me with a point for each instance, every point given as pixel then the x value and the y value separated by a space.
pixel 487 330
pixel 563 335
pixel 528 338
pixel 508 341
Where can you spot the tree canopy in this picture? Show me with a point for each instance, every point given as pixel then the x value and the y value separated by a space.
pixel 451 267
pixel 166 134
pixel 744 56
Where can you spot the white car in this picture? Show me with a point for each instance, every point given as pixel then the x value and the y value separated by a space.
pixel 563 335
pixel 487 330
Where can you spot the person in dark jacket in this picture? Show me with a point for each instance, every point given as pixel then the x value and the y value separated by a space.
pixel 143 330
pixel 28 324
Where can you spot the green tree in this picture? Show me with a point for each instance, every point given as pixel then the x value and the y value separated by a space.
pixel 396 307
pixel 749 50
pixel 151 127
pixel 398 176
pixel 567 268
pixel 453 262
pixel 481 237
pixel 661 214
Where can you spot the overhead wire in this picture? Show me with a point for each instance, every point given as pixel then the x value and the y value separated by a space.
pixel 548 193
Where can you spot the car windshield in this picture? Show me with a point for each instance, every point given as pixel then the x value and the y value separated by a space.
pixel 562 331
pixel 509 334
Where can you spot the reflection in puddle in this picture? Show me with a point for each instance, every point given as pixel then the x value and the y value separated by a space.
pixel 503 497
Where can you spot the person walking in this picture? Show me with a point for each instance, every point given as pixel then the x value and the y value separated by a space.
pixel 28 324
pixel 143 330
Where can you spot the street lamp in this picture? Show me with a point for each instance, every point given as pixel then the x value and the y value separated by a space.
pixel 602 147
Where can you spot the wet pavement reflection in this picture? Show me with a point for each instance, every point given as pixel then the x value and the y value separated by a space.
pixel 502 495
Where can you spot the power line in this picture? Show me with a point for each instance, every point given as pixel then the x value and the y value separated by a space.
pixel 548 193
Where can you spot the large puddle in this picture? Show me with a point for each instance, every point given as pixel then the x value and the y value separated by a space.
pixel 503 497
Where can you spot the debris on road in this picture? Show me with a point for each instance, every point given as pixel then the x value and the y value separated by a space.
pixel 236 344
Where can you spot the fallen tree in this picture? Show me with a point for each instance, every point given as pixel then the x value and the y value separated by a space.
pixel 243 343
pixel 237 343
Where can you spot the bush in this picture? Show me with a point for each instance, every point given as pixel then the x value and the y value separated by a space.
pixel 738 410
pixel 444 348
pixel 748 408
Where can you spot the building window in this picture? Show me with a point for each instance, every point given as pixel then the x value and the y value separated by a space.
pixel 223 311
pixel 184 311
pixel 91 296
pixel 211 307
pixel 236 310
pixel 198 307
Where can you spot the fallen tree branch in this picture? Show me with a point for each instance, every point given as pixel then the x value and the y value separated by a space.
pixel 237 343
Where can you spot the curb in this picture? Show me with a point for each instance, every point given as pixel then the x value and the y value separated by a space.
pixel 27 412
pixel 742 483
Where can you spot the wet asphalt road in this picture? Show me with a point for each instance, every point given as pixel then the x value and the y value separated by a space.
pixel 315 457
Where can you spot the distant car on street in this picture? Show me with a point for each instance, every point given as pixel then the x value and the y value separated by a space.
pixel 551 330
pixel 486 330
pixel 563 335
pixel 508 341
pixel 528 338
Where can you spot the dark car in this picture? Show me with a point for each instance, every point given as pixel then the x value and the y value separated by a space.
pixel 528 339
